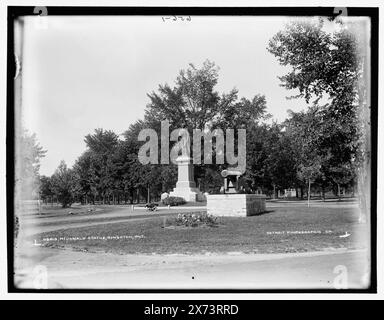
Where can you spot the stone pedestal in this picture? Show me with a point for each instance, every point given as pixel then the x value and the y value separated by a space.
pixel 185 186
pixel 235 205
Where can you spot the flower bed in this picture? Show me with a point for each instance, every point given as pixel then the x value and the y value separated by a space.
pixel 196 220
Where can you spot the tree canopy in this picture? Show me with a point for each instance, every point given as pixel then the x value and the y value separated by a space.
pixel 326 69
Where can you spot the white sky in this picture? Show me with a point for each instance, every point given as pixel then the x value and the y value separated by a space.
pixel 82 73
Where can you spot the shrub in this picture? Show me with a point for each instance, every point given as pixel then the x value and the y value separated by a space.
pixel 173 201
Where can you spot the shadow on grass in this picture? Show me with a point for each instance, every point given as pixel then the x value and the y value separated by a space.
pixel 317 199
pixel 261 214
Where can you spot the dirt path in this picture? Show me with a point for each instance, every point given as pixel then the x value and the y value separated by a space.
pixel 119 214
pixel 69 269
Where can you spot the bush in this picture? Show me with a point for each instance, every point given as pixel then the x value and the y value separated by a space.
pixel 173 201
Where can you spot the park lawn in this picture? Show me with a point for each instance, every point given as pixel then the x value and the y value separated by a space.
pixel 48 211
pixel 281 230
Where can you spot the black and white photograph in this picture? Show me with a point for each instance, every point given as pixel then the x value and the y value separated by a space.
pixel 192 149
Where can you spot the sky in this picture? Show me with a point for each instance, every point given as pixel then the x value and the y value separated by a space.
pixel 82 73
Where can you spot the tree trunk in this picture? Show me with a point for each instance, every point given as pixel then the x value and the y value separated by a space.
pixel 309 191
pixel 323 193
pixel 338 192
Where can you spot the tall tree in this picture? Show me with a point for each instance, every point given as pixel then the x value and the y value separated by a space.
pixel 193 103
pixel 83 176
pixel 28 156
pixel 327 67
pixel 102 141
pixel 62 185
pixel 102 144
pixel 46 190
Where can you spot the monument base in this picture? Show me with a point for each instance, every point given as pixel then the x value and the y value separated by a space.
pixel 235 205
pixel 188 194
pixel 185 186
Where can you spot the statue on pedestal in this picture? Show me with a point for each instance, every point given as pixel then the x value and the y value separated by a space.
pixel 186 186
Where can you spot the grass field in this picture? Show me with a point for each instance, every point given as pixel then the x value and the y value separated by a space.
pixel 282 230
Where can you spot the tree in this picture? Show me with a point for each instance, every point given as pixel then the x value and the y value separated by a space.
pixel 29 152
pixel 83 176
pixel 101 145
pixel 281 162
pixel 62 185
pixel 305 132
pixel 327 66
pixel 309 172
pixel 259 140
pixel 46 190
pixel 193 103
pixel 168 177
pixel 342 175
pixel 322 63
pixel 102 141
